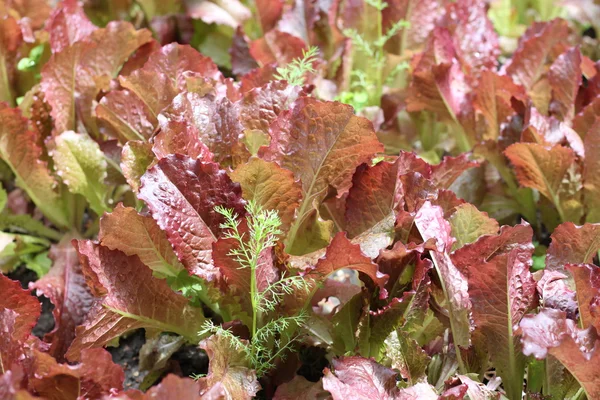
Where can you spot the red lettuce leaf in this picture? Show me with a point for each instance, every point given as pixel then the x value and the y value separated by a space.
pixel 540 168
pixel 94 376
pixel 423 15
pixel 128 304
pixel 587 284
pixel 181 194
pixel 229 373
pixel 68 24
pixel 549 332
pixel 341 254
pixel 535 47
pixel 432 225
pixel 572 244
pixel 591 173
pixel 270 186
pixel 73 77
pixel 26 308
pixel 474 35
pixel 322 143
pixel 134 234
pixel 564 78
pixel 300 388
pixel 361 379
pixel 20 149
pixel 501 290
pixel 438 83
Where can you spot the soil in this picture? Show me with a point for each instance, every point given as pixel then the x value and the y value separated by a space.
pixel 127 356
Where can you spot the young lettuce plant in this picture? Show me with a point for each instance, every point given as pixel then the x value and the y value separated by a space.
pixel 271 335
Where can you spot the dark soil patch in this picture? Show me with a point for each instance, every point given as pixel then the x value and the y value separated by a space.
pixel 314 361
pixel 127 356
pixel 191 360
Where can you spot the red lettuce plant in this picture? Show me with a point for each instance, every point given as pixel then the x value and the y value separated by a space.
pixel 436 237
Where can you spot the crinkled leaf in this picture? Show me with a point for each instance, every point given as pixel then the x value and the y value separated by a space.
pixel 450 169
pixel 127 304
pixel 176 61
pixel 586 118
pixel 587 283
pixel 422 16
pixel 477 390
pixel 95 375
pixel 124 116
pixel 540 168
pixel 474 35
pixel 181 194
pixel 201 128
pixel 136 158
pixel 438 82
pixel 269 186
pixel 82 167
pixel 66 288
pixel 68 24
pixel 26 307
pixel 501 290
pixel 184 124
pixel 406 356
pixel 492 103
pixel 556 293
pixel 468 224
pixel 565 78
pixel 431 224
pixel 374 195
pixel 277 47
pixel 134 234
pixel 536 45
pixel 300 388
pixel 591 173
pixel 72 78
pixel 261 106
pixel 572 244
pixel 172 387
pixel 375 326
pixel 342 254
pixel 229 369
pixel 361 379
pixel 549 332
pixel 420 391
pixel 322 143
pixel 20 149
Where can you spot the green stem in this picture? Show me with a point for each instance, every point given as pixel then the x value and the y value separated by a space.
pixel 379 61
pixel 579 395
pixel 5 94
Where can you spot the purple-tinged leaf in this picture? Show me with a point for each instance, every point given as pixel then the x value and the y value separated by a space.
pixel 432 225
pixel 501 290
pixel 549 332
pixel 564 78
pixel 126 304
pixel 182 194
pixel 361 379
pixel 572 244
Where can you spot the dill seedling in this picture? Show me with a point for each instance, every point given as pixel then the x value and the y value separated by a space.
pixel 366 86
pixel 294 73
pixel 271 335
